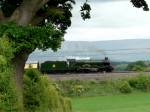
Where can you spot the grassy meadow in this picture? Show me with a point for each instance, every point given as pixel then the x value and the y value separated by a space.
pixel 135 102
pixel 131 94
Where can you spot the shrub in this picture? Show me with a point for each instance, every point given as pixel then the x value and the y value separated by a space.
pixel 66 104
pixel 133 82
pixel 67 87
pixel 8 94
pixel 125 87
pixel 31 91
pixel 73 88
pixel 141 82
pixel 78 90
pixel 40 94
pixel 93 82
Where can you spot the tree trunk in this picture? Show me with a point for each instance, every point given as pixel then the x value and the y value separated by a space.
pixel 19 63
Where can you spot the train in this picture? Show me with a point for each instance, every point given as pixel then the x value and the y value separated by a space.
pixel 76 66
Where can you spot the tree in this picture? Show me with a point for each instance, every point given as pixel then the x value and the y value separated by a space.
pixel 137 66
pixel 31 24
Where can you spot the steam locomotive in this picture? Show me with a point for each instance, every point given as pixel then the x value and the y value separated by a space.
pixel 76 66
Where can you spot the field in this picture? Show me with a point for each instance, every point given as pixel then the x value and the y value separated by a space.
pixel 135 102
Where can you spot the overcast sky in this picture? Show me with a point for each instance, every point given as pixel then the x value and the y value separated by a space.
pixel 111 20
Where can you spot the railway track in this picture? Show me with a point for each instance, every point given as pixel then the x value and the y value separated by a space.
pixel 91 76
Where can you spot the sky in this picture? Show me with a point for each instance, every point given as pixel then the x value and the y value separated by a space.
pixel 110 20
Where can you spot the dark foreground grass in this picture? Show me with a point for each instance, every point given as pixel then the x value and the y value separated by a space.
pixel 135 102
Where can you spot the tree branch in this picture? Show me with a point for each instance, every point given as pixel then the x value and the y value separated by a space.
pixel 42 2
pixel 27 10
pixel 38 18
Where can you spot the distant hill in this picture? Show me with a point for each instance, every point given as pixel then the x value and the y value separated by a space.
pixel 116 50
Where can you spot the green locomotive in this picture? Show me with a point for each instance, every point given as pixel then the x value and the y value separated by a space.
pixel 76 66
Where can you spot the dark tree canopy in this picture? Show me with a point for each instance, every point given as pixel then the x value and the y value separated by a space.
pixel 58 12
pixel 140 3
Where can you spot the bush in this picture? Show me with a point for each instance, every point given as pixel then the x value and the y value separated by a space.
pixel 78 90
pixel 141 82
pixel 8 94
pixel 125 87
pixel 93 82
pixel 40 94
pixel 66 104
pixel 73 87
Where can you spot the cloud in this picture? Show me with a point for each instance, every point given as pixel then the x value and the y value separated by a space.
pixel 110 20
pixel 93 34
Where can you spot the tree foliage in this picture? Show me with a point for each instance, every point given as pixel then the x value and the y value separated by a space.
pixel 140 4
pixel 58 12
pixel 27 38
pixel 137 66
pixel 85 11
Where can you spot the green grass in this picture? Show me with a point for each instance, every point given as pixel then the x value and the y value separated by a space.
pixel 135 102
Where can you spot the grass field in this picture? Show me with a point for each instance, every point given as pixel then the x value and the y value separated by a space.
pixel 135 102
